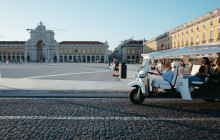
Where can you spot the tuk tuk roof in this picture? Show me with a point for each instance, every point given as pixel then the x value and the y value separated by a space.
pixel 192 51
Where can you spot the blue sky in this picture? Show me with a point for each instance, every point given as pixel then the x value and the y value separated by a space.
pixel 99 20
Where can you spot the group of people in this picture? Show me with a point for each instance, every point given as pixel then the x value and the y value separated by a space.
pixel 204 71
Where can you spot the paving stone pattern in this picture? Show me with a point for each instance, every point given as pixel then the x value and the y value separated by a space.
pixel 47 118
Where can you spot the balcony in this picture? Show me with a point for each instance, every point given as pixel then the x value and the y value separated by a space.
pixel 211 40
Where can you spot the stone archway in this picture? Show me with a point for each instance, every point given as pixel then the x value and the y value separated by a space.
pixel 93 59
pixel 74 58
pixel 102 59
pixel 54 58
pixel 84 59
pixel 28 58
pixel 61 58
pixel 40 45
pixel 88 59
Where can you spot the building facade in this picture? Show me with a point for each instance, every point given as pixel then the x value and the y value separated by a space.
pixel 129 50
pixel 43 47
pixel 204 30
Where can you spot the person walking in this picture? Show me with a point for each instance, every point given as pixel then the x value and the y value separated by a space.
pixel 116 68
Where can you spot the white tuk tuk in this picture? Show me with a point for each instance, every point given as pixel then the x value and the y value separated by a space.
pixel 178 85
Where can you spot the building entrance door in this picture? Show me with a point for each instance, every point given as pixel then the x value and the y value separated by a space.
pixel 40 45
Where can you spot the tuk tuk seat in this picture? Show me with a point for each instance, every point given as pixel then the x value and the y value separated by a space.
pixel 173 82
pixel 195 69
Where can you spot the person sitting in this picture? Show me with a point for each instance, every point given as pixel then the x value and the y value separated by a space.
pixel 182 66
pixel 203 72
pixel 190 66
pixel 216 69
pixel 167 75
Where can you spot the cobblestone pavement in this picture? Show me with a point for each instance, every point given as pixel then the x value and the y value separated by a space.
pixel 112 118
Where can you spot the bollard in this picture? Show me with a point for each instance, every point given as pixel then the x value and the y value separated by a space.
pixel 123 70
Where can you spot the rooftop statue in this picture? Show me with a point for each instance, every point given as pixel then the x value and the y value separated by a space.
pixel 41 27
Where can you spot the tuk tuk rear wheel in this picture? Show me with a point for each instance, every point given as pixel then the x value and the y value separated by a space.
pixel 133 97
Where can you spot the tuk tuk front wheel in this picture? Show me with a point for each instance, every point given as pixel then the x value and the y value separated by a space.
pixel 133 97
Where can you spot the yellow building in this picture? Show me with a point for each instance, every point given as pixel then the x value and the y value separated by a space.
pixel 42 46
pixel 204 30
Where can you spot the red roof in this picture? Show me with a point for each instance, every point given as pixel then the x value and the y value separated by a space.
pixel 81 42
pixel 12 42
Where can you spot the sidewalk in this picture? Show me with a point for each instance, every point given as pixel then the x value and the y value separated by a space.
pixel 24 87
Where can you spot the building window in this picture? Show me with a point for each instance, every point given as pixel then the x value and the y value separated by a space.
pixel 204 26
pixel 182 33
pixel 192 30
pixel 197 28
pixel 197 38
pixel 186 40
pixel 211 34
pixel 102 50
pixel 186 31
pixel 219 34
pixel 203 37
pixel 182 42
pixel 219 20
pixel 211 23
pixel 128 51
pixel 191 39
pixel 93 50
pixel 133 51
pixel 84 51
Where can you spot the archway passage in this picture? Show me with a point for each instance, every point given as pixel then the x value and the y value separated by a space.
pixel 28 58
pixel 88 59
pixel 55 58
pixel 40 45
pixel 61 58
pixel 102 59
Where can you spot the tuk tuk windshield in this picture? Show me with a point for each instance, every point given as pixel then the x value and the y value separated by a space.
pixel 144 63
